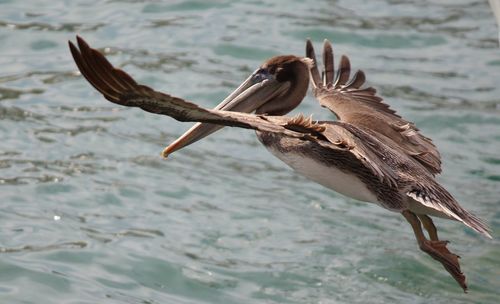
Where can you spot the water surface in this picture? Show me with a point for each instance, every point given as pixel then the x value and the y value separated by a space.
pixel 90 213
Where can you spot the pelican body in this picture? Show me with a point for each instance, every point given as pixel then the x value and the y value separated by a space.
pixel 369 153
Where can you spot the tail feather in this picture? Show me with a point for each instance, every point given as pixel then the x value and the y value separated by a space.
pixel 436 197
pixel 476 223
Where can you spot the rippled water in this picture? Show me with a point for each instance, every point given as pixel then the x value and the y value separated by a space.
pixel 90 213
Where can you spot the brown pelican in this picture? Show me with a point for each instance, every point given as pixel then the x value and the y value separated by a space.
pixel 370 153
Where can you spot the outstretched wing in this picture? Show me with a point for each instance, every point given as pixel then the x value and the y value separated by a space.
pixel 120 88
pixel 363 108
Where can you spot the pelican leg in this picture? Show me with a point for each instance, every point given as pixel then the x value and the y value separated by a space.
pixel 429 226
pixel 435 248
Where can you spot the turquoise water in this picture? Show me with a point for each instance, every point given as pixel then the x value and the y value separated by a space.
pixel 90 213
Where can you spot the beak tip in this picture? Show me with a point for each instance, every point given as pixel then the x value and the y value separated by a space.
pixel 165 153
pixel 176 145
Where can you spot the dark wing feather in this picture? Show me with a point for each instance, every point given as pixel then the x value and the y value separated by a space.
pixel 363 108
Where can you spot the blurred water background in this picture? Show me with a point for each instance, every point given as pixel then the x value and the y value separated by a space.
pixel 90 213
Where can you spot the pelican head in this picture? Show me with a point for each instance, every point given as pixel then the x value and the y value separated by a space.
pixel 275 88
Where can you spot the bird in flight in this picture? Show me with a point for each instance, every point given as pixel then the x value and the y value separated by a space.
pixel 370 153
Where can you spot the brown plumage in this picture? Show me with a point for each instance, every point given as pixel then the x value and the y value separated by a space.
pixel 363 108
pixel 371 154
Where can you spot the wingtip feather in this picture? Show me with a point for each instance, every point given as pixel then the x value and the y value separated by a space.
pixel 328 62
pixel 313 69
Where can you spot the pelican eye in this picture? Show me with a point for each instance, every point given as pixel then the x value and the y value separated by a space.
pixel 261 75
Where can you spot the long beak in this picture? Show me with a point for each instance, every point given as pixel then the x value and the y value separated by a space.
pixel 255 91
